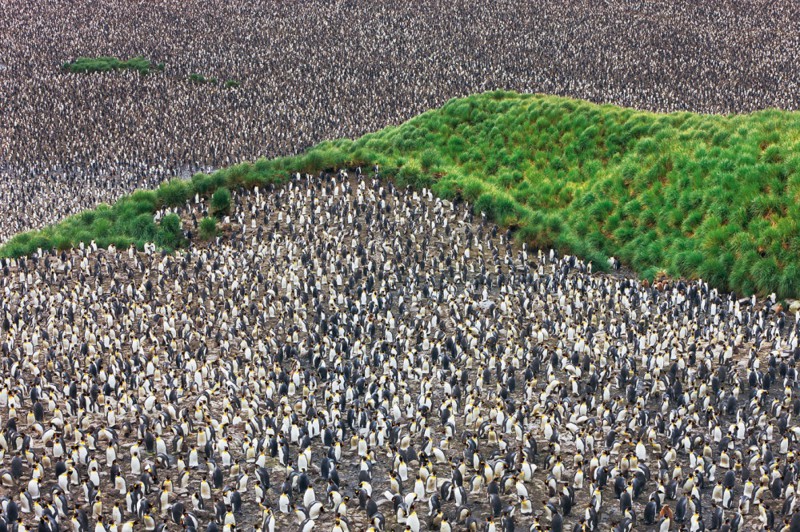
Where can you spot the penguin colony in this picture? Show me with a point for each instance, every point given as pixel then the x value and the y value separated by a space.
pixel 355 357
pixel 313 70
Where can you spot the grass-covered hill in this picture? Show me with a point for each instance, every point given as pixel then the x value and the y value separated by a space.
pixel 714 197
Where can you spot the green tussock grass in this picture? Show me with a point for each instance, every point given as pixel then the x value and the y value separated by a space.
pixel 208 228
pixel 83 65
pixel 696 196
pixel 200 79
pixel 221 201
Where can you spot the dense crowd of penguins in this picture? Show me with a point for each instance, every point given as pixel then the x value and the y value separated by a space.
pixel 348 356
pixel 322 69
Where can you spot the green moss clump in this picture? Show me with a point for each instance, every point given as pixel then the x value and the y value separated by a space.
pixel 84 65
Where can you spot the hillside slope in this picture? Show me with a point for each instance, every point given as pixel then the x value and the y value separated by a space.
pixel 697 196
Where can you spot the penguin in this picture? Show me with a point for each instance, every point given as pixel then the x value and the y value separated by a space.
pixel 650 511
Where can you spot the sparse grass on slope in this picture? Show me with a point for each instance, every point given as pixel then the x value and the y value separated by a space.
pixel 694 195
